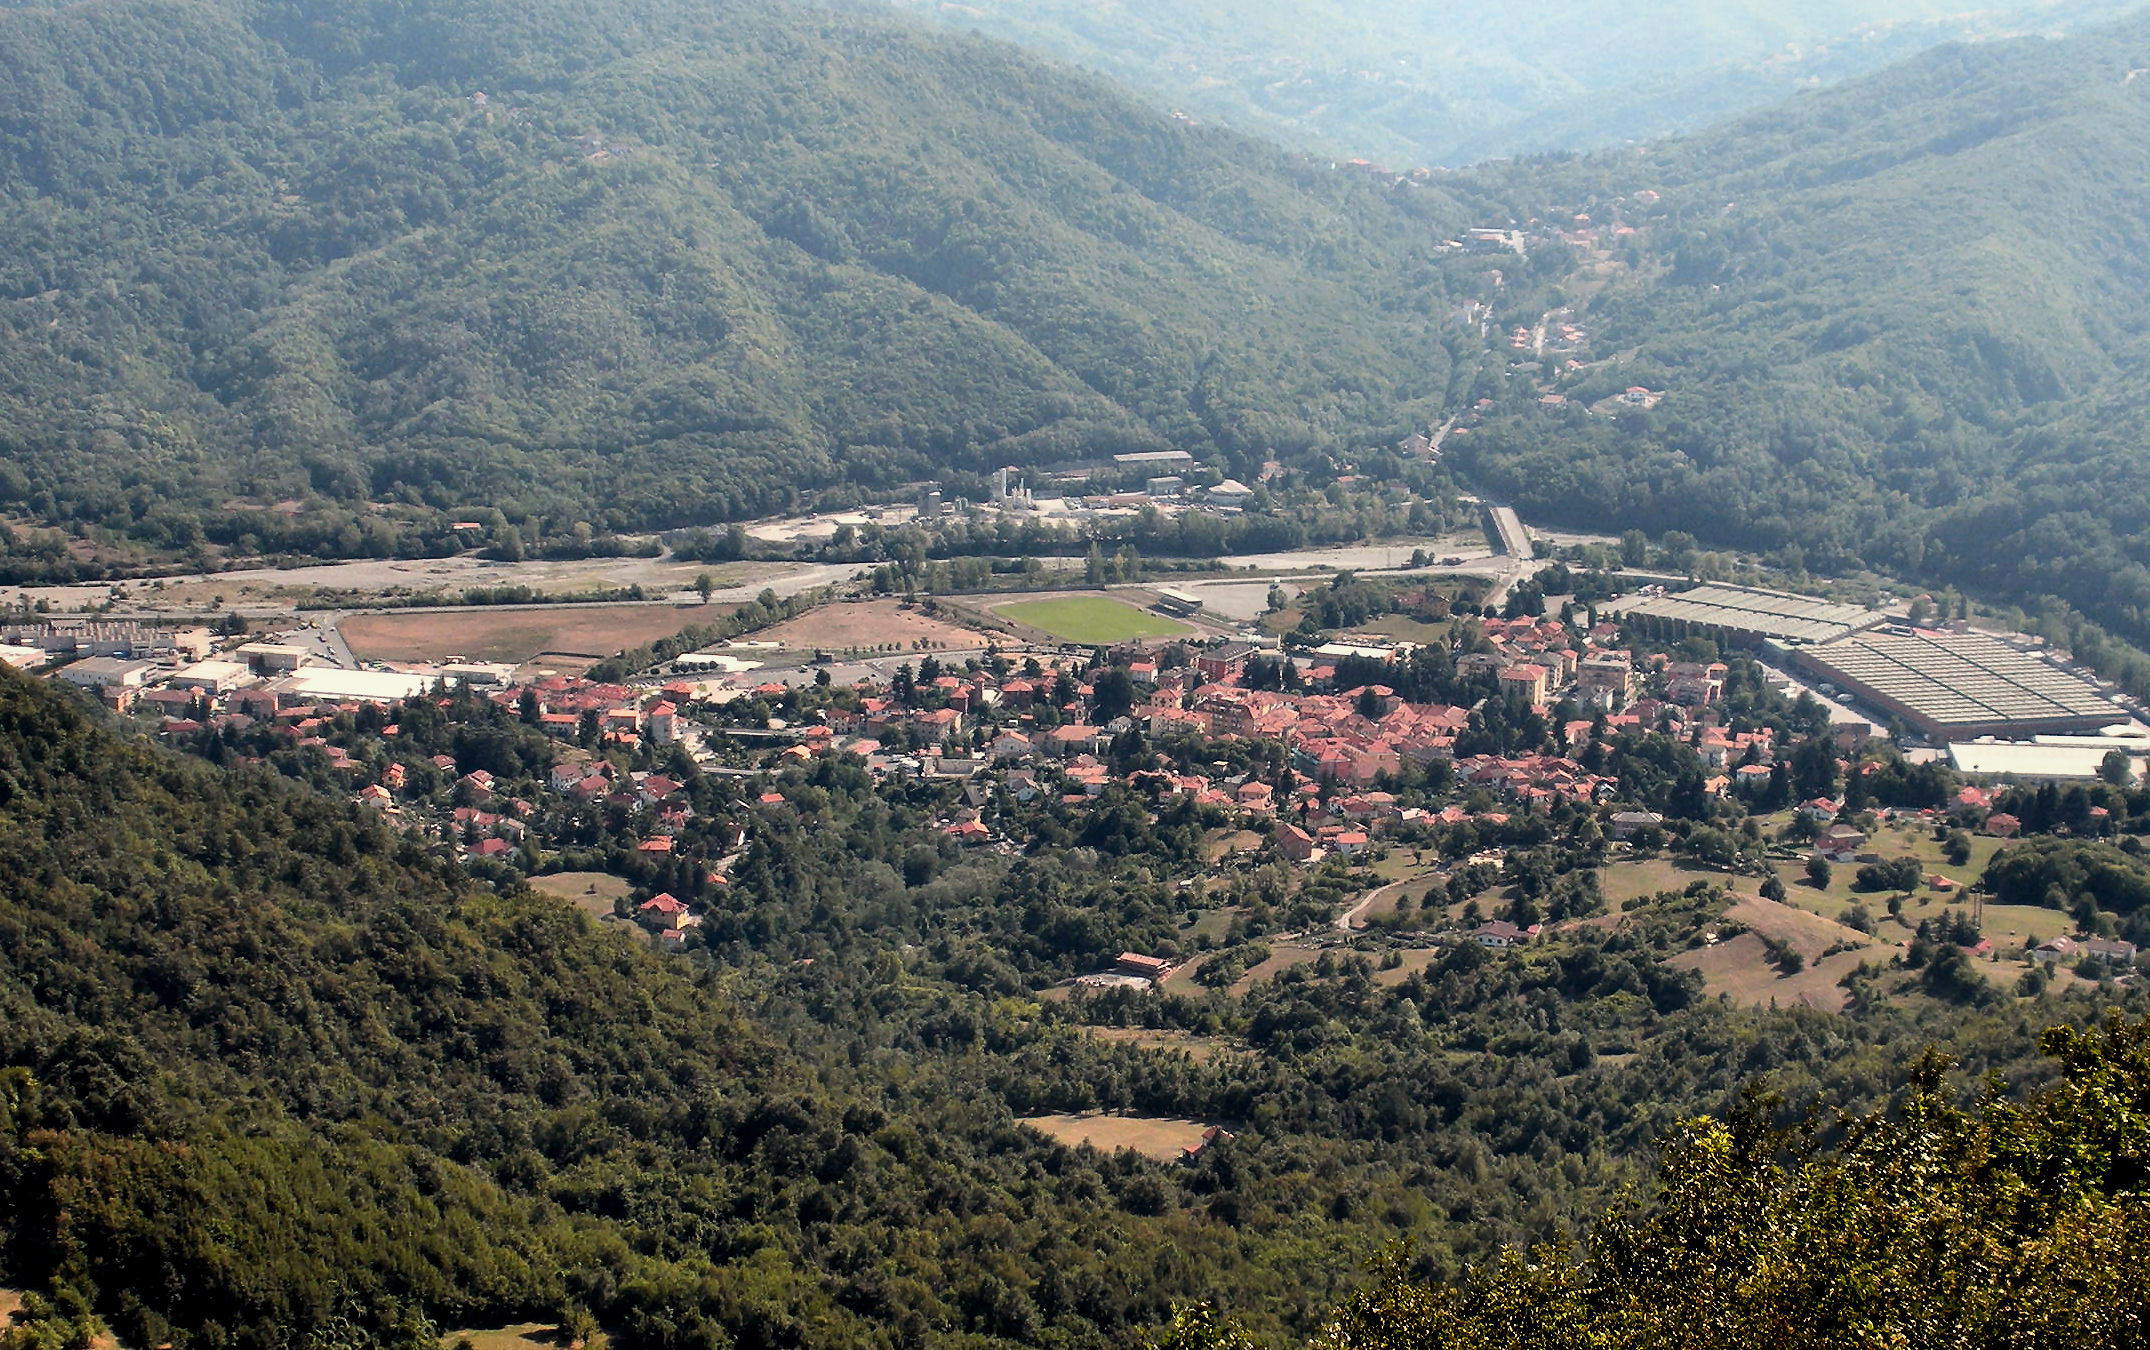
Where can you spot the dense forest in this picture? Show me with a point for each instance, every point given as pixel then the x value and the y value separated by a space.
pixel 292 277
pixel 1929 1225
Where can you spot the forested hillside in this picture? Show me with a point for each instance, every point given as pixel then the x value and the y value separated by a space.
pixel 272 1075
pixel 644 263
pixel 1932 1225
pixel 1900 323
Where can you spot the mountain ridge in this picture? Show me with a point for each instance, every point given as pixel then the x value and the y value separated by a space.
pixel 681 273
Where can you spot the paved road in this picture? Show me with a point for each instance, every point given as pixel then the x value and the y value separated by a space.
pixel 1348 921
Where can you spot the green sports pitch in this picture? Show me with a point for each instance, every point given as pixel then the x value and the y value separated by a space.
pixel 1089 618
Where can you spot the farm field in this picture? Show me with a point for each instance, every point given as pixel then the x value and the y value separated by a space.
pixel 1090 618
pixel 1159 1138
pixel 516 636
pixel 872 625
pixel 1631 880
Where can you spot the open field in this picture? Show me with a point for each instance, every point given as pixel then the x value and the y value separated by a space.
pixel 1213 924
pixel 1638 877
pixel 2010 926
pixel 1157 1137
pixel 590 892
pixel 1280 959
pixel 1243 601
pixel 1414 960
pixel 518 1336
pixel 1089 618
pixel 872 624
pixel 1384 900
pixel 1223 843
pixel 1739 967
pixel 1402 863
pixel 518 635
pixel 1404 628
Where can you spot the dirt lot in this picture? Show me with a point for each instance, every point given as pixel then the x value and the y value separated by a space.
pixel 871 624
pixel 517 635
pixel 1157 1137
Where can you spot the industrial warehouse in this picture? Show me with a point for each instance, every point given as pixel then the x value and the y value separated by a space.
pixel 1960 686
pixel 1749 617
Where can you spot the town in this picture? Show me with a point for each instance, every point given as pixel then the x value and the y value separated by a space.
pixel 1378 771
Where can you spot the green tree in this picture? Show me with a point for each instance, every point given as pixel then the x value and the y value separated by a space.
pixel 2117 768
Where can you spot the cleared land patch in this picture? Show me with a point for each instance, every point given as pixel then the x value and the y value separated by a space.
pixel 1090 618
pixel 871 624
pixel 517 635
pixel 517 1336
pixel 2010 926
pixel 1634 879
pixel 1280 960
pixel 1157 1137
pixel 590 892
pixel 1414 960
pixel 1742 968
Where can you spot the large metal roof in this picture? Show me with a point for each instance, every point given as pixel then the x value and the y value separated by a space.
pixel 1767 614
pixel 1962 679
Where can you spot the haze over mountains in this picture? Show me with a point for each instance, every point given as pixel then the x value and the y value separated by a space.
pixel 1408 83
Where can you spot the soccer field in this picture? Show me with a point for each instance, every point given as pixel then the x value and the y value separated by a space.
pixel 1090 618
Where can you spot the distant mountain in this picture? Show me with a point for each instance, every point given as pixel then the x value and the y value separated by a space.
pixel 1408 83
pixel 640 262
pixel 1902 321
